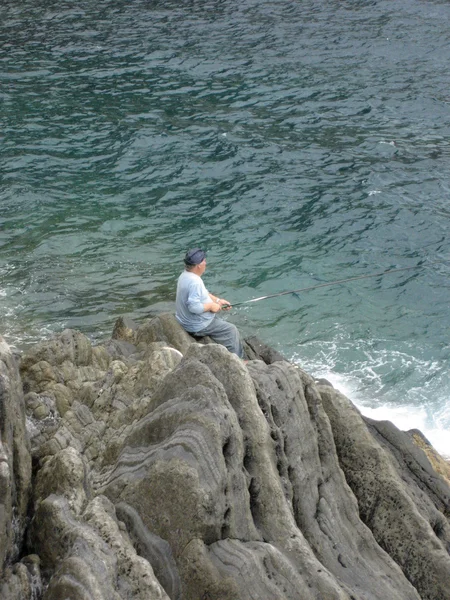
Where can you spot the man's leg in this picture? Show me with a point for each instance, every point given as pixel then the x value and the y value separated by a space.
pixel 224 333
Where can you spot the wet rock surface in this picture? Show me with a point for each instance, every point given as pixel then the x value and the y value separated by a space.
pixel 15 463
pixel 167 468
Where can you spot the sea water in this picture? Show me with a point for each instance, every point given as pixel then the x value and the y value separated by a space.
pixel 298 142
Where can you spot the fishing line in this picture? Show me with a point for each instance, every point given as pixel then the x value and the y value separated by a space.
pixel 320 285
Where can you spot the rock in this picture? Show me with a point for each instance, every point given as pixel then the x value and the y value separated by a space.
pixel 164 328
pixel 257 349
pixel 307 460
pixel 118 349
pixel 390 499
pixel 440 465
pixel 71 346
pixel 65 474
pixel 237 458
pixel 22 580
pixel 89 556
pixel 153 548
pixel 15 460
pixel 125 330
pixel 428 488
pixel 168 468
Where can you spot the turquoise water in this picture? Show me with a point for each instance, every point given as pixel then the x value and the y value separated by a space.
pixel 298 142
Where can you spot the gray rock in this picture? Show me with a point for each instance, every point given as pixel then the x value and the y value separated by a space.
pixel 439 464
pixel 22 580
pixel 390 503
pixel 88 555
pixel 164 328
pixel 125 330
pixel 426 487
pixel 168 468
pixel 118 349
pixel 328 513
pixel 15 459
pixel 151 547
pixel 256 349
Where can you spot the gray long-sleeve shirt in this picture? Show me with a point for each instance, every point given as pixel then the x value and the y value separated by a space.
pixel 191 296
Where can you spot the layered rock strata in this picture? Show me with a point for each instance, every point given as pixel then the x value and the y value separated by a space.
pixel 165 468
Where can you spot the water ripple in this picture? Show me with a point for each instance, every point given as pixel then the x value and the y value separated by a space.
pixel 299 142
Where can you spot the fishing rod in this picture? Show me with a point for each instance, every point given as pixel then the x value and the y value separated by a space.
pixel 320 285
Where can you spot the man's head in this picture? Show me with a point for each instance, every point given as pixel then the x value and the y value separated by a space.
pixel 195 261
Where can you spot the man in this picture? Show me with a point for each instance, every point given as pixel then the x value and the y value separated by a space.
pixel 196 308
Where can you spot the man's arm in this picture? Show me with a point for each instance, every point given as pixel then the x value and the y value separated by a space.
pixel 213 307
pixel 196 306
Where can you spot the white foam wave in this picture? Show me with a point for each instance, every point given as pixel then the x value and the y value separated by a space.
pixel 411 417
pixel 433 425
pixel 398 381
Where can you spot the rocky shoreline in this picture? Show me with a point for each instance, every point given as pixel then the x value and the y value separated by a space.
pixel 155 467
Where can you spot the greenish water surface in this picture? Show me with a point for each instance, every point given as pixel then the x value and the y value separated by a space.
pixel 298 142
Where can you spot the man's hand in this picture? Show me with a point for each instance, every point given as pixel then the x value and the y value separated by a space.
pixel 213 307
pixel 224 303
pixel 216 305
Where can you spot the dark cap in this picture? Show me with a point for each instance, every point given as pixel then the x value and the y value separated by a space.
pixel 194 256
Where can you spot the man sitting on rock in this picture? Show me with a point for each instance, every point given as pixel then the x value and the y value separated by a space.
pixel 196 308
